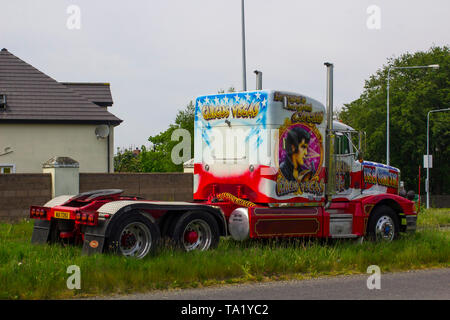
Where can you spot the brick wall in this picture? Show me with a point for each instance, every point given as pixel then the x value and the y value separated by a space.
pixel 20 190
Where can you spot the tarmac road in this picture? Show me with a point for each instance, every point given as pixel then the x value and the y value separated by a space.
pixel 431 284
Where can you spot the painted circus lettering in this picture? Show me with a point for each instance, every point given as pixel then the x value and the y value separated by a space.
pixel 241 110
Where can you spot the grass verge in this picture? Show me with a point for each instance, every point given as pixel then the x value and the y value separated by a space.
pixel 434 218
pixel 39 271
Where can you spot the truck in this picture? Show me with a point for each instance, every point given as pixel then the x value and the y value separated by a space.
pixel 267 164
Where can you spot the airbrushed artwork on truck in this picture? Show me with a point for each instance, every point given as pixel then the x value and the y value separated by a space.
pixel 300 148
pixel 243 109
pixel 300 158
pixel 380 177
pixel 268 141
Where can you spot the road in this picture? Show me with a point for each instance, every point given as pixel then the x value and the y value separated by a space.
pixel 431 284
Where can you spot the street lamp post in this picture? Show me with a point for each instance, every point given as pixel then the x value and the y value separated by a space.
pixel 427 183
pixel 434 66
pixel 244 72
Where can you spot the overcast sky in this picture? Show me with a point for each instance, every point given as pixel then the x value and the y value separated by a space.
pixel 160 54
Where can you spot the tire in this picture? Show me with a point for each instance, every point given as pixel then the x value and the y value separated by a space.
pixel 383 224
pixel 133 235
pixel 196 230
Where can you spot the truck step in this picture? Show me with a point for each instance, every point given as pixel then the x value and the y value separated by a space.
pixel 341 236
pixel 341 225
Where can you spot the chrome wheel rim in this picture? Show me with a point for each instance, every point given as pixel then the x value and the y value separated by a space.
pixel 385 229
pixel 135 240
pixel 202 238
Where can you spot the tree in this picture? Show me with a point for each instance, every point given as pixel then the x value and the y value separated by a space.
pixel 413 92
pixel 160 159
pixel 126 161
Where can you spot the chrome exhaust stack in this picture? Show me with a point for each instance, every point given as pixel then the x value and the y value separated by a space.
pixel 330 188
pixel 258 79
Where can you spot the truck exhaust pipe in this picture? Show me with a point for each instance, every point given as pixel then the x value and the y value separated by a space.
pixel 258 79
pixel 329 154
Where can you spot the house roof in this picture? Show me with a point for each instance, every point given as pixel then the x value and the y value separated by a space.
pixel 98 93
pixel 32 96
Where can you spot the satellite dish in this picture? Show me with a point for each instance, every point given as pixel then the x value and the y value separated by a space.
pixel 102 131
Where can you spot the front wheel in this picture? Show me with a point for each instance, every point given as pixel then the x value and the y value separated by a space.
pixel 133 236
pixel 196 230
pixel 383 224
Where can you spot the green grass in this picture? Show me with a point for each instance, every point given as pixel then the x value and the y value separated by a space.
pixel 39 271
pixel 434 218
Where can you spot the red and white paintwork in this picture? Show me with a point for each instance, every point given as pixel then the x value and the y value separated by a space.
pixel 243 166
pixel 295 213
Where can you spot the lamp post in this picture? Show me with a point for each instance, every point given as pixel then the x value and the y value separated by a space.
pixel 427 183
pixel 434 66
pixel 244 73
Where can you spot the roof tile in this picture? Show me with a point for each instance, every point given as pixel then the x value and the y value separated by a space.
pixel 33 96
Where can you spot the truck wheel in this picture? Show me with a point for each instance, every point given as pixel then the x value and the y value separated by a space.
pixel 196 230
pixel 133 236
pixel 383 224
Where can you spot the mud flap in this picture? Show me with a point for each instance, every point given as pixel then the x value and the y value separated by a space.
pixel 411 223
pixel 94 240
pixel 41 231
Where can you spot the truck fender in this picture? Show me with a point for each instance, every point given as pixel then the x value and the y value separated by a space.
pixel 118 208
pixel 95 237
pixel 402 206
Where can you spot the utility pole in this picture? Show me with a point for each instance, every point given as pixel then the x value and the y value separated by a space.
pixel 244 73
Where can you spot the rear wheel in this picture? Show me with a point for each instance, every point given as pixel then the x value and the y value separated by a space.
pixel 133 236
pixel 196 230
pixel 383 224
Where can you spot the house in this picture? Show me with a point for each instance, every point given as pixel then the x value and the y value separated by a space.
pixel 41 118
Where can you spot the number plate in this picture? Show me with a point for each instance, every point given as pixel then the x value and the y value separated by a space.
pixel 62 215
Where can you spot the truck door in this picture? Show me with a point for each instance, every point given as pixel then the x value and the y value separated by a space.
pixel 346 164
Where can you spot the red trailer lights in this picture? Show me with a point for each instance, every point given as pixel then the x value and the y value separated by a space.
pixel 38 213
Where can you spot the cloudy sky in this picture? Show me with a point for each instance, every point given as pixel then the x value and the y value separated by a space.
pixel 160 54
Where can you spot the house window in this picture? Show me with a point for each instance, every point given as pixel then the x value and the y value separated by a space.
pixel 7 168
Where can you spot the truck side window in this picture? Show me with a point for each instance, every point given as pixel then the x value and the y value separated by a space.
pixel 341 144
